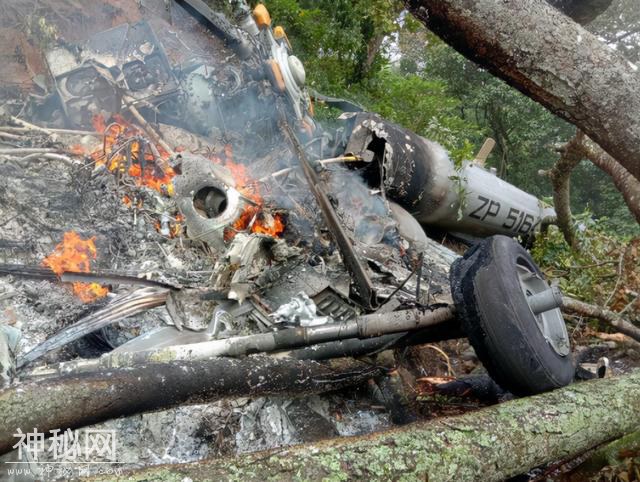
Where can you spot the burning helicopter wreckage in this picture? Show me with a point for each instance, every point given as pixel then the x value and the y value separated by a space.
pixel 256 230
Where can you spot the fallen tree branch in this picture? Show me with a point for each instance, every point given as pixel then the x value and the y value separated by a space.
pixel 151 132
pixel 72 132
pixel 50 156
pixel 592 311
pixel 560 176
pixel 628 185
pixel 551 59
pixel 28 150
pixel 14 137
pixel 578 148
pixel 30 126
pixel 491 444
pixel 125 391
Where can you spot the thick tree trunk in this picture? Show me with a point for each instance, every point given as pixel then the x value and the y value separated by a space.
pixel 490 444
pixel 74 401
pixel 572 153
pixel 550 58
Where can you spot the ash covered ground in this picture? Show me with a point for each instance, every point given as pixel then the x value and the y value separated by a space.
pixel 72 186
pixel 116 181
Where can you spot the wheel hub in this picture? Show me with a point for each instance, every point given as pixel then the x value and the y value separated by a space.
pixel 544 303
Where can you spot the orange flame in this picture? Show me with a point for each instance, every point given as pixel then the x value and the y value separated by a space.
pixel 143 167
pixel 75 254
pixel 262 224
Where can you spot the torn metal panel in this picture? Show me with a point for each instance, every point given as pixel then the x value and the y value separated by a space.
pixel 226 319
pixel 130 54
pixel 408 165
pixel 296 276
pixel 243 262
pixel 418 175
pixel 119 308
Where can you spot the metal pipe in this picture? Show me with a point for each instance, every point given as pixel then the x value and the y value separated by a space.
pixel 545 300
pixel 356 347
pixel 367 326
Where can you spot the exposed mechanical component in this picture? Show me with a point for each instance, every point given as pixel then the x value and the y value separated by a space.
pixel 545 303
pixel 301 310
pixel 127 57
pixel 207 198
pixel 284 69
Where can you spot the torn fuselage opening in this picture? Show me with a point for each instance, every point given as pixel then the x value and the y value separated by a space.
pixel 210 201
pixel 418 175
pixel 402 163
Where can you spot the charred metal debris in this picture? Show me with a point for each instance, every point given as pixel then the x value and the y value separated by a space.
pixel 206 200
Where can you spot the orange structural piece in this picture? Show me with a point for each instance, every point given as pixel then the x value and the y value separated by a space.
pixel 278 32
pixel 261 16
pixel 276 75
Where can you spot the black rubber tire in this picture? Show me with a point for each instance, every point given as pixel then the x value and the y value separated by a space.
pixel 497 319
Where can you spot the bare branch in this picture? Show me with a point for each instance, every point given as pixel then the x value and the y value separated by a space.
pixel 613 319
pixel 560 176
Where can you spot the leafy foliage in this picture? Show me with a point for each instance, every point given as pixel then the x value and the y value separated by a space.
pixel 332 38
pixel 419 82
pixel 605 271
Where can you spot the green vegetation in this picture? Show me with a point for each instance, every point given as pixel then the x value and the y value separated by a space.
pixel 592 273
pixel 413 78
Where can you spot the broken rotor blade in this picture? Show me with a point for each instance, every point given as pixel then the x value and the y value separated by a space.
pixel 121 307
pixel 364 287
